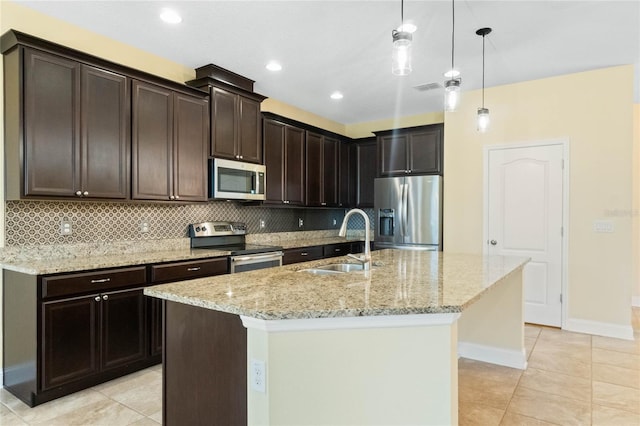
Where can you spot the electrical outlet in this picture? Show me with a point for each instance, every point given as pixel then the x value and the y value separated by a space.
pixel 144 227
pixel 258 376
pixel 262 224
pixel 603 226
pixel 300 222
pixel 335 222
pixel 65 226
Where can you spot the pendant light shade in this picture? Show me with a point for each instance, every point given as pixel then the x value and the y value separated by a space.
pixel 483 113
pixel 451 94
pixel 452 86
pixel 483 119
pixel 401 53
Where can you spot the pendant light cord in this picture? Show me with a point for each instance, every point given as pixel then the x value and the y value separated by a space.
pixel 483 71
pixel 402 15
pixel 453 31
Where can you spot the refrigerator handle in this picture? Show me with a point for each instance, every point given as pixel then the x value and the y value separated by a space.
pixel 405 207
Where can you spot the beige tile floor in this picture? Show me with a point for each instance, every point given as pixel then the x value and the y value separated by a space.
pixel 572 379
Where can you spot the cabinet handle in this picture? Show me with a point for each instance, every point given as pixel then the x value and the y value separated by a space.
pixel 194 269
pixel 79 193
pixel 304 254
pixel 101 280
pixel 85 193
pixel 105 297
pixel 285 202
pixel 323 204
pixel 97 298
pixel 337 250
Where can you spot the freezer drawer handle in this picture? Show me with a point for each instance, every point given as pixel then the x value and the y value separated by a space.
pixel 194 269
pixel 101 280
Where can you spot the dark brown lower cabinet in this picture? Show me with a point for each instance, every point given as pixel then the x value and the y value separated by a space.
pixel 204 367
pixel 67 332
pixel 86 335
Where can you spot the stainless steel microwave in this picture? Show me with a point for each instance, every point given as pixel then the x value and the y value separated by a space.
pixel 236 180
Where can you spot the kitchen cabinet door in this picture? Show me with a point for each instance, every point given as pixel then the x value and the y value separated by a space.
pixel 152 142
pixel 330 168
pixel 51 125
pixel 366 172
pixel 224 135
pixel 70 336
pixel 314 168
pixel 274 160
pixel 105 130
pixel 346 175
pixel 394 154
pixel 191 130
pixel 425 148
pixel 249 130
pixel 294 165
pixel 123 332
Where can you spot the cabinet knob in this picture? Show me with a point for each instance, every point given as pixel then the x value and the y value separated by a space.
pixel 241 157
pixel 79 193
pixel 237 157
pixel 493 242
pixel 105 297
pixel 285 202
pixel 177 197
pixel 97 298
pixel 171 197
pixel 85 193
pixel 323 204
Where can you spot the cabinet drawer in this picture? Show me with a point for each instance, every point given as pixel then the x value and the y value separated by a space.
pixel 340 249
pixel 64 285
pixel 303 254
pixel 178 271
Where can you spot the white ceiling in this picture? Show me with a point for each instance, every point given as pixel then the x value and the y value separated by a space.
pixel 346 45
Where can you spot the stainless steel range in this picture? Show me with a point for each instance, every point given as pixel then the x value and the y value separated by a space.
pixel 231 236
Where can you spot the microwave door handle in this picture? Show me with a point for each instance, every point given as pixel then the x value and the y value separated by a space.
pixel 254 183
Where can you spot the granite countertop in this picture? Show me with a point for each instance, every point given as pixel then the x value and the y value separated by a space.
pixel 400 282
pixel 82 257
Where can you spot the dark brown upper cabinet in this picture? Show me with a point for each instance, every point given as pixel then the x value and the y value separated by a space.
pixel 284 157
pixel 67 127
pixel 321 170
pixel 236 128
pixel 169 145
pixel 365 171
pixel 416 150
pixel 347 178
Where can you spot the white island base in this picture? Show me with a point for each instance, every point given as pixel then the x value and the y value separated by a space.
pixel 400 370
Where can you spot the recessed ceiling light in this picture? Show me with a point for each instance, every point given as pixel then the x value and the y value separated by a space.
pixel 273 66
pixel 407 27
pixel 452 74
pixel 170 16
pixel 337 95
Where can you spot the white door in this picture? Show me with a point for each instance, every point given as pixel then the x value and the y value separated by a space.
pixel 524 206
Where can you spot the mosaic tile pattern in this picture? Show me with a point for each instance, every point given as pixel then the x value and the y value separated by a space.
pixel 38 222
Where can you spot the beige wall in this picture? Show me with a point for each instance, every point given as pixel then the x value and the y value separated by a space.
pixel 597 119
pixel 636 204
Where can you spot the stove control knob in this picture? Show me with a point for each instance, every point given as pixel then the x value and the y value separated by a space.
pixel 197 229
pixel 204 229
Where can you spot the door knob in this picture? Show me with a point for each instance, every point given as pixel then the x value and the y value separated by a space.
pixel 493 242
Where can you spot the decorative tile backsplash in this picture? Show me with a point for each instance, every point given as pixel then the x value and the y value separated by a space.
pixel 38 222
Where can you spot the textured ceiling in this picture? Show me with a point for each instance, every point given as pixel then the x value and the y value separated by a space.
pixel 346 45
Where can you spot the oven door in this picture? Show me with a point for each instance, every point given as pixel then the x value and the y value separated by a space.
pixel 251 262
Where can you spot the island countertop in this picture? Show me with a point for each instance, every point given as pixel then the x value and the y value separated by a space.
pixel 400 282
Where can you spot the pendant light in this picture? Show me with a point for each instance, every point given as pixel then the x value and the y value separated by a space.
pixel 401 53
pixel 452 86
pixel 483 113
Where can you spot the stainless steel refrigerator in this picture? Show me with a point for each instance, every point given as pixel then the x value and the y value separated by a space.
pixel 408 212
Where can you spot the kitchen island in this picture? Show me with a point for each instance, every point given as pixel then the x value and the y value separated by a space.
pixel 286 346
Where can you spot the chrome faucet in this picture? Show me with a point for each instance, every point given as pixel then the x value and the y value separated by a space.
pixel 365 259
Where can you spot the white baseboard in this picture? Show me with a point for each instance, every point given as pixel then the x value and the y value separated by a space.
pixel 493 355
pixel 599 328
pixel 635 301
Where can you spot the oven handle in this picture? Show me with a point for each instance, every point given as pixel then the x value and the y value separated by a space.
pixel 259 257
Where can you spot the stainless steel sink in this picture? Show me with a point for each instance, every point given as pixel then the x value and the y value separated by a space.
pixel 334 268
